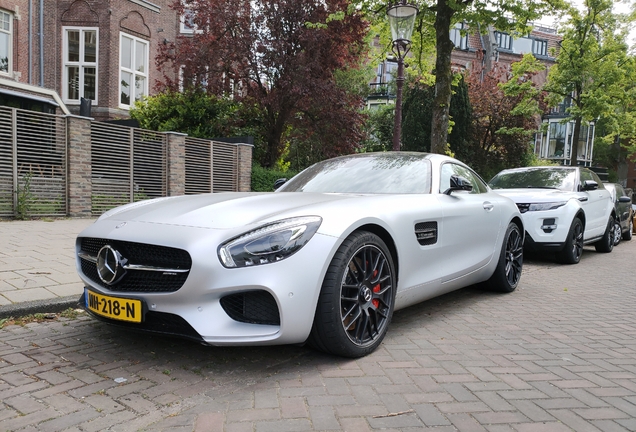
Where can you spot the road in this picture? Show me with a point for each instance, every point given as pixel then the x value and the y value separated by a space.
pixel 558 354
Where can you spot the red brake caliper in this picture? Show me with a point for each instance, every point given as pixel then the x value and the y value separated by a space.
pixel 376 289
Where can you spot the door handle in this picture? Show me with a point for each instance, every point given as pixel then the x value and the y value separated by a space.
pixel 488 206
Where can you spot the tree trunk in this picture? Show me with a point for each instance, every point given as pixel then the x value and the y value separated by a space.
pixel 574 148
pixel 443 78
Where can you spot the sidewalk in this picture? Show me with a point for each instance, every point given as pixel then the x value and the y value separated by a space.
pixel 37 266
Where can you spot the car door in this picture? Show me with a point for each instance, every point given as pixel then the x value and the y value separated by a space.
pixel 596 204
pixel 470 225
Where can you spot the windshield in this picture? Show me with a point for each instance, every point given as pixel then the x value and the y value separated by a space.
pixel 366 173
pixel 541 177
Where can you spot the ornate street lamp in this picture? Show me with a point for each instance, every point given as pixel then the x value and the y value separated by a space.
pixel 401 19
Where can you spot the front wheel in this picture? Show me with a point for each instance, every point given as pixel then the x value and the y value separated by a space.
pixel 606 243
pixel 508 272
pixel 618 232
pixel 357 298
pixel 573 249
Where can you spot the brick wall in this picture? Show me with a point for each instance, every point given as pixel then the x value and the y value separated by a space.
pixel 154 23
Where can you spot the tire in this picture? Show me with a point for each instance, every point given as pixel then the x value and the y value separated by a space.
pixel 606 243
pixel 617 233
pixel 573 249
pixel 508 272
pixel 357 298
pixel 627 235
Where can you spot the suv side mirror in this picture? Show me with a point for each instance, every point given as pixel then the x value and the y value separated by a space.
pixel 278 183
pixel 625 199
pixel 589 185
pixel 458 183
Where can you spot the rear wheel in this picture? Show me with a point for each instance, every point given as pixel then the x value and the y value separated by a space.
pixel 508 272
pixel 606 243
pixel 357 298
pixel 627 235
pixel 573 249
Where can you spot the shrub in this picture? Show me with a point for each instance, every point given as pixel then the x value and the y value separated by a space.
pixel 263 179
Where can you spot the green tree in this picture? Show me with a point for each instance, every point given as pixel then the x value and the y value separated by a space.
pixel 591 67
pixel 431 39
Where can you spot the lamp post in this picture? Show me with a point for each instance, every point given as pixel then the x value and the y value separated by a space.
pixel 401 19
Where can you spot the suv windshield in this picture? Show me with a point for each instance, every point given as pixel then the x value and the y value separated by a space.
pixel 540 177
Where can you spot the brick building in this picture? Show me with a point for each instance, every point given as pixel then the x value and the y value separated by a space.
pixel 98 50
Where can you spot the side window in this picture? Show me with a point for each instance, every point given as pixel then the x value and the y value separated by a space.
pixel 448 169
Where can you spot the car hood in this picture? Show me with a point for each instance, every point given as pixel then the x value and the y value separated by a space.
pixel 223 210
pixel 536 195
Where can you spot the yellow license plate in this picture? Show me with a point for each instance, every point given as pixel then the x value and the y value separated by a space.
pixel 114 307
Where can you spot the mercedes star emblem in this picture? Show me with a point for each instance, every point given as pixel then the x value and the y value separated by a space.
pixel 110 265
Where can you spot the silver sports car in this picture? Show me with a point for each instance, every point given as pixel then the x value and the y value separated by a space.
pixel 325 259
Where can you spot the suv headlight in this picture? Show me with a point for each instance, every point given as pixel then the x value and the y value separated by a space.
pixel 546 206
pixel 269 243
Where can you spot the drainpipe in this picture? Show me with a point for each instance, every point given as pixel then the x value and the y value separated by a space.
pixel 41 43
pixel 30 71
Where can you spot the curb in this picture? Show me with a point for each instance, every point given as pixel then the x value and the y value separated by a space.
pixel 39 306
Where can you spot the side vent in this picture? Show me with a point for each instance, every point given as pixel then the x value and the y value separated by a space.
pixel 426 233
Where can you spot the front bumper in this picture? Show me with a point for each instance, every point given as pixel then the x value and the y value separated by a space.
pixel 196 310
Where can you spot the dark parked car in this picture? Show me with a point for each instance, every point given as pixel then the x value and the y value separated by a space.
pixel 624 222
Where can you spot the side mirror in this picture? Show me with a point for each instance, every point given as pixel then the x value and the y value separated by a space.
pixel 589 185
pixel 458 183
pixel 625 199
pixel 278 183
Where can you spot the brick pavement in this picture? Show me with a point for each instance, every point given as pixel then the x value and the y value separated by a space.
pixel 558 354
pixel 37 265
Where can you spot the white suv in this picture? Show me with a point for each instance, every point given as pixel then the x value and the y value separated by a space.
pixel 563 208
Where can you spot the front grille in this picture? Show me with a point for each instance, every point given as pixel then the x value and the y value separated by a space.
pixel 139 254
pixel 523 207
pixel 254 307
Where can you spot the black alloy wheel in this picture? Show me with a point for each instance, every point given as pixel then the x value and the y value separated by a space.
pixel 573 249
pixel 357 298
pixel 606 243
pixel 366 295
pixel 508 272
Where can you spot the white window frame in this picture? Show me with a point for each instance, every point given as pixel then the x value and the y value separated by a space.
pixel 132 70
pixel 81 64
pixel 9 71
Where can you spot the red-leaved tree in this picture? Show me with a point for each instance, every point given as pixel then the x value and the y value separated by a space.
pixel 278 56
pixel 502 125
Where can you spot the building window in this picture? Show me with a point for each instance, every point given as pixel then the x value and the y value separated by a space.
pixel 80 64
pixel 187 22
pixel 6 45
pixel 503 40
pixel 133 70
pixel 557 140
pixel 540 47
pixel 460 42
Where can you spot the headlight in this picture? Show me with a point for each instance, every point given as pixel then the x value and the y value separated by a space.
pixel 270 243
pixel 546 206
